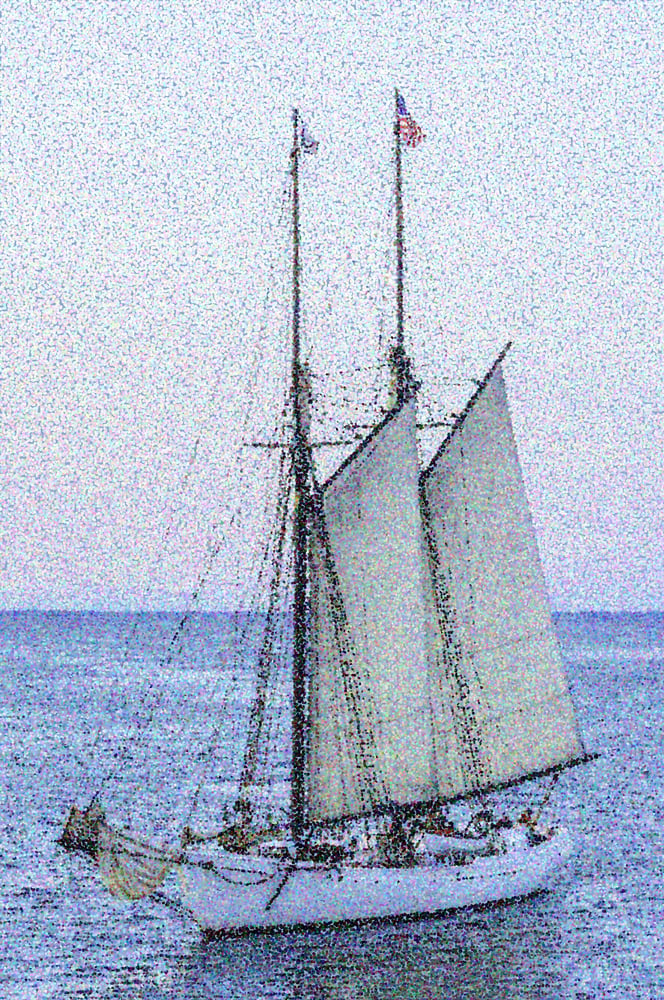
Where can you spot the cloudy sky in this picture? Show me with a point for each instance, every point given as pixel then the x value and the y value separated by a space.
pixel 144 273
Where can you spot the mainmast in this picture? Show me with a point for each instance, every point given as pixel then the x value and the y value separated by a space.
pixel 401 365
pixel 300 453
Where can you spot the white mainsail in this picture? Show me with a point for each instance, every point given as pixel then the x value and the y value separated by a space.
pixel 497 654
pixel 372 519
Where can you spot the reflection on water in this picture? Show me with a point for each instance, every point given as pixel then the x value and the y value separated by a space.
pixel 483 955
pixel 453 957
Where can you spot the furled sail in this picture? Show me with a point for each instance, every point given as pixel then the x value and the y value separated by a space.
pixel 497 657
pixel 370 731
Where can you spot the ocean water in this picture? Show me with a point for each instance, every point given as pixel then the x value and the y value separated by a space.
pixel 73 687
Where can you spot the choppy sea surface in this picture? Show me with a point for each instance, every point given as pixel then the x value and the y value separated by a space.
pixel 74 686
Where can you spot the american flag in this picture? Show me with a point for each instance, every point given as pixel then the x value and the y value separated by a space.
pixel 307 143
pixel 409 131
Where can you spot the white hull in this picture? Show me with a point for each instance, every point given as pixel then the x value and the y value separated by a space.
pixel 243 894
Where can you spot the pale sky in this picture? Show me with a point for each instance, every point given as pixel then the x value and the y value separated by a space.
pixel 144 276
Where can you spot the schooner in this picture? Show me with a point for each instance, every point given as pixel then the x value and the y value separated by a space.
pixel 425 669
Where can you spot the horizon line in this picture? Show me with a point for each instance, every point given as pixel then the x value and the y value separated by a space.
pixel 14 609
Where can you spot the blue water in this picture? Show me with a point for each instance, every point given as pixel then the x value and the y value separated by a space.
pixel 73 682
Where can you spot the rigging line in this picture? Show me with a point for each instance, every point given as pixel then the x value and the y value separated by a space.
pixel 283 479
pixel 275 732
pixel 182 486
pixel 278 644
pixel 249 621
pixel 365 750
pixel 277 717
pixel 175 644
pixel 543 804
pixel 254 615
pixel 272 742
pixel 185 479
pixel 266 556
pixel 265 742
pixel 341 700
pixel 465 723
pixel 240 644
pixel 478 733
pixel 210 756
pixel 174 648
pixel 473 651
pixel 230 689
pixel 202 579
pixel 256 718
pixel 246 883
pixel 266 563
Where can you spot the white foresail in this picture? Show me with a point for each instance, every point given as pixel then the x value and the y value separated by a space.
pixel 497 654
pixel 370 716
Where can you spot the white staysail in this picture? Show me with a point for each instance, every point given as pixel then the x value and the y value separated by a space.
pixel 497 654
pixel 374 537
